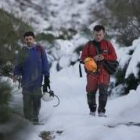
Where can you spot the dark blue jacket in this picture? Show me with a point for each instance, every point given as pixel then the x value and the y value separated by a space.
pixel 33 66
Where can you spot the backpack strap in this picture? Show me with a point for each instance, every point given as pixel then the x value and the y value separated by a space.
pixel 98 49
pixel 39 48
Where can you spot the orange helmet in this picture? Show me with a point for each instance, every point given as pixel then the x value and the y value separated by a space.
pixel 90 64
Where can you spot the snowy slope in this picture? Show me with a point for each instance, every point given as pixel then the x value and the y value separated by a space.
pixel 132 59
pixel 72 115
pixel 55 16
pixel 44 14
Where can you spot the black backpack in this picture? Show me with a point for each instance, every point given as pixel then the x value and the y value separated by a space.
pixel 110 66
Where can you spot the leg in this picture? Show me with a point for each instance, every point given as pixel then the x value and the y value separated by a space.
pixel 102 98
pixel 36 103
pixel 36 106
pixel 91 98
pixel 27 106
pixel 92 85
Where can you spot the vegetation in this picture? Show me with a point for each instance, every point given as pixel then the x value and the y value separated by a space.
pixel 11 35
pixel 123 24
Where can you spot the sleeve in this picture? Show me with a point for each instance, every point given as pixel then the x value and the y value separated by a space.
pixel 45 64
pixel 84 54
pixel 18 67
pixel 16 70
pixel 112 53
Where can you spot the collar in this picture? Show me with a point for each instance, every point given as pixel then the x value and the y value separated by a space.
pixel 31 47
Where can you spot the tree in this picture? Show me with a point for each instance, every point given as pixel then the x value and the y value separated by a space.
pixel 11 34
pixel 122 19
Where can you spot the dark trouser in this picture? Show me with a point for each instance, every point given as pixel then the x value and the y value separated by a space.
pixel 91 98
pixel 31 103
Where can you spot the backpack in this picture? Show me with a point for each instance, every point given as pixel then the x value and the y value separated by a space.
pixel 111 66
pixel 39 49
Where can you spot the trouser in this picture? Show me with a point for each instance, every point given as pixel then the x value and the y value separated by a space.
pixel 95 82
pixel 31 103
pixel 91 98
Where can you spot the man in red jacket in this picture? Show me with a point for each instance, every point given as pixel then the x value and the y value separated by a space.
pixel 99 49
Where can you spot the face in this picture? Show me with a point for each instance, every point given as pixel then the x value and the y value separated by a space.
pixel 29 40
pixel 98 35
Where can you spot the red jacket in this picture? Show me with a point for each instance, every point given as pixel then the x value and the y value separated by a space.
pixel 107 50
pixel 102 76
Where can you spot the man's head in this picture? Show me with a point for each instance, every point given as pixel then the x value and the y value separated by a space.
pixel 98 32
pixel 29 38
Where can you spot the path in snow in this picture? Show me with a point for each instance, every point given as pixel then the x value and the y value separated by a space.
pixel 72 115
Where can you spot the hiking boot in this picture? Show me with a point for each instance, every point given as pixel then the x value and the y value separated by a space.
pixel 92 113
pixel 101 114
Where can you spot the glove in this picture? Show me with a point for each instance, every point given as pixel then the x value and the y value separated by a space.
pixel 45 88
pixel 46 83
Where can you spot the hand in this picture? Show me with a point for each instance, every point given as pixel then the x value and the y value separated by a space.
pixel 99 57
pixel 96 58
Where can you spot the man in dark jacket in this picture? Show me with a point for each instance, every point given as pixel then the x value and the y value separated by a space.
pixel 100 50
pixel 32 64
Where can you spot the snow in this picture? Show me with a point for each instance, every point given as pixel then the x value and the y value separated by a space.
pixel 131 60
pixel 135 60
pixel 72 115
pixel 44 14
pixel 129 56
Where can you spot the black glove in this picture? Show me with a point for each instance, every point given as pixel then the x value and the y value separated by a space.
pixel 46 83
pixel 45 88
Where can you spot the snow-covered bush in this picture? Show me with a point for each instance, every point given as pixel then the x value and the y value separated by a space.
pixel 123 23
pixel 5 95
pixel 128 74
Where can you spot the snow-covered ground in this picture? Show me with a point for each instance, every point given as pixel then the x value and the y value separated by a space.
pixel 72 115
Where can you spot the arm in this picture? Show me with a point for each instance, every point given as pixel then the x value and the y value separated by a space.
pixel 19 61
pixel 45 64
pixel 46 72
pixel 84 54
pixel 18 65
pixel 17 69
